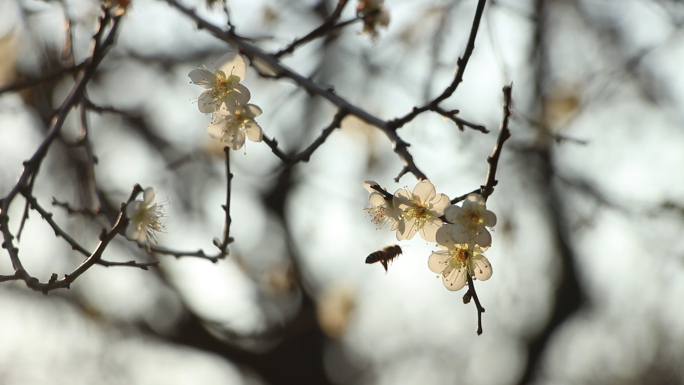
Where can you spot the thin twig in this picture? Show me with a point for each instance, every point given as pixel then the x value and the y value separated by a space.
pixel 305 155
pixel 478 305
pixel 226 208
pixel 178 254
pixel 504 133
pixel 325 28
pixel 458 77
pixel 460 122
pixel 104 38
pixel 93 258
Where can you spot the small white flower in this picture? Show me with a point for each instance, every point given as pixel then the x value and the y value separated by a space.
pixel 145 218
pixel 471 221
pixel 232 128
pixel 420 211
pixel 455 261
pixel 223 85
pixel 381 210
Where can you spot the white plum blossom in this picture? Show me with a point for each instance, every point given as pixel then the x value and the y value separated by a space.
pixel 420 211
pixel 381 210
pixel 471 221
pixel 233 127
pixel 456 261
pixel 224 90
pixel 145 218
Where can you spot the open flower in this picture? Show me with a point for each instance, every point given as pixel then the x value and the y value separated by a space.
pixel 381 210
pixel 223 85
pixel 471 221
pixel 145 218
pixel 233 127
pixel 420 211
pixel 456 261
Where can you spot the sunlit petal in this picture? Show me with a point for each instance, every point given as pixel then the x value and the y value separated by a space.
pixel 148 195
pixel 202 78
pixel 439 204
pixel 252 110
pixel 410 229
pixel 376 199
pixel 367 185
pixel 239 94
pixel 425 190
pixel 480 267
pixel 206 103
pixel 232 64
pixel 429 230
pixel 455 279
pixel 473 201
pixel 215 129
pixel 438 261
pixel 402 199
pixel 253 131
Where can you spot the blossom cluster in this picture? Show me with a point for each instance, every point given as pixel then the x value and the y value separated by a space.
pixel 226 99
pixel 461 232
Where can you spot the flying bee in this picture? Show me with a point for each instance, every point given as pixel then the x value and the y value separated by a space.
pixel 384 256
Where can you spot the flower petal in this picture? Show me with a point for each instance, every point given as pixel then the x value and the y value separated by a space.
pixel 483 239
pixel 148 195
pixel 206 103
pixel 489 218
pixel 215 128
pixel 252 110
pixel 474 201
pixel 253 131
pixel 425 190
pixel 453 213
pixel 239 94
pixel 439 203
pixel 202 78
pixel 443 235
pixel 461 234
pixel 376 199
pixel 237 140
pixel 232 64
pixel 480 267
pixel 133 232
pixel 455 279
pixel 402 199
pixel 438 261
pixel 408 230
pixel 429 229
pixel 367 185
pixel 132 208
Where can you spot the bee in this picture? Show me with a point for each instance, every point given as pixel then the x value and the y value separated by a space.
pixel 384 256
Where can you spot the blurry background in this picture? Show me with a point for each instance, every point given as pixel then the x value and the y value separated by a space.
pixel 588 258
